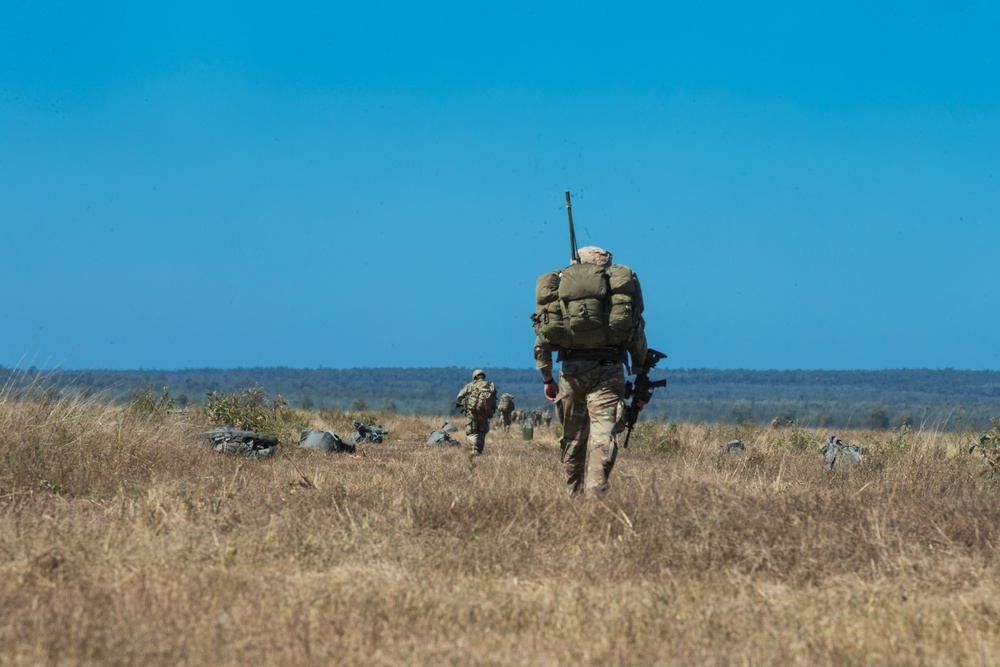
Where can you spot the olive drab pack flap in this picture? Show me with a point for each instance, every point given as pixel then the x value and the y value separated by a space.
pixel 587 306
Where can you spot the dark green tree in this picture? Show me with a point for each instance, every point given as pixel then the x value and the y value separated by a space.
pixel 739 412
pixel 877 418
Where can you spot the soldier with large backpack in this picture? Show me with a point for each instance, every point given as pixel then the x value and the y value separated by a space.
pixel 506 408
pixel 590 315
pixel 478 400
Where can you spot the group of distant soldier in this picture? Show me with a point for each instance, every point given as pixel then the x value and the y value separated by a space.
pixel 478 400
pixel 509 414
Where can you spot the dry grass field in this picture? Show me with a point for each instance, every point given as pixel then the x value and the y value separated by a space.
pixel 124 540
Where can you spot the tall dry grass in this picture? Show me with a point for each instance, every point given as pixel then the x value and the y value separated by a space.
pixel 125 540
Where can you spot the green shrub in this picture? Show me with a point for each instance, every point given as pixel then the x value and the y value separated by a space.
pixel 901 441
pixel 795 438
pixel 245 409
pixel 144 403
pixel 651 436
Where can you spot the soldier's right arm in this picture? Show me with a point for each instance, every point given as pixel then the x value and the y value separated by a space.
pixel 543 362
pixel 543 358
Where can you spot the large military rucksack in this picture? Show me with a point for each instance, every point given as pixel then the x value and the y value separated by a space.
pixel 325 441
pixel 228 440
pixel 838 454
pixel 587 306
pixel 482 399
pixel 506 403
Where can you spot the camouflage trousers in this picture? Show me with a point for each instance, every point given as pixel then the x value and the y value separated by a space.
pixel 505 419
pixel 475 432
pixel 592 405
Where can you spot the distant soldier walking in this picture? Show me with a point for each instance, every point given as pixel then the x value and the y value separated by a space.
pixel 506 408
pixel 478 400
pixel 590 315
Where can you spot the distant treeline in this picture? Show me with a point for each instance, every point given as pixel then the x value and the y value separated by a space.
pixel 922 398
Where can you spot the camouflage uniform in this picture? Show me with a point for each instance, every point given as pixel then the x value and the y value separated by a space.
pixel 591 397
pixel 478 424
pixel 506 416
pixel 505 419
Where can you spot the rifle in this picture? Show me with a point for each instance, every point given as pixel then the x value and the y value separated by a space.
pixel 641 391
pixel 573 254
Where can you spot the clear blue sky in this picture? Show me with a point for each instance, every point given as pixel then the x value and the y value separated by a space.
pixel 222 184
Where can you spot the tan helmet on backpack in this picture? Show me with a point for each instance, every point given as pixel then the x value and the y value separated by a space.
pixel 593 255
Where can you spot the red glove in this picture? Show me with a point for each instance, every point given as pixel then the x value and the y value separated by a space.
pixel 551 390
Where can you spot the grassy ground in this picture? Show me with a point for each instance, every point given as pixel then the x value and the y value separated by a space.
pixel 125 540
